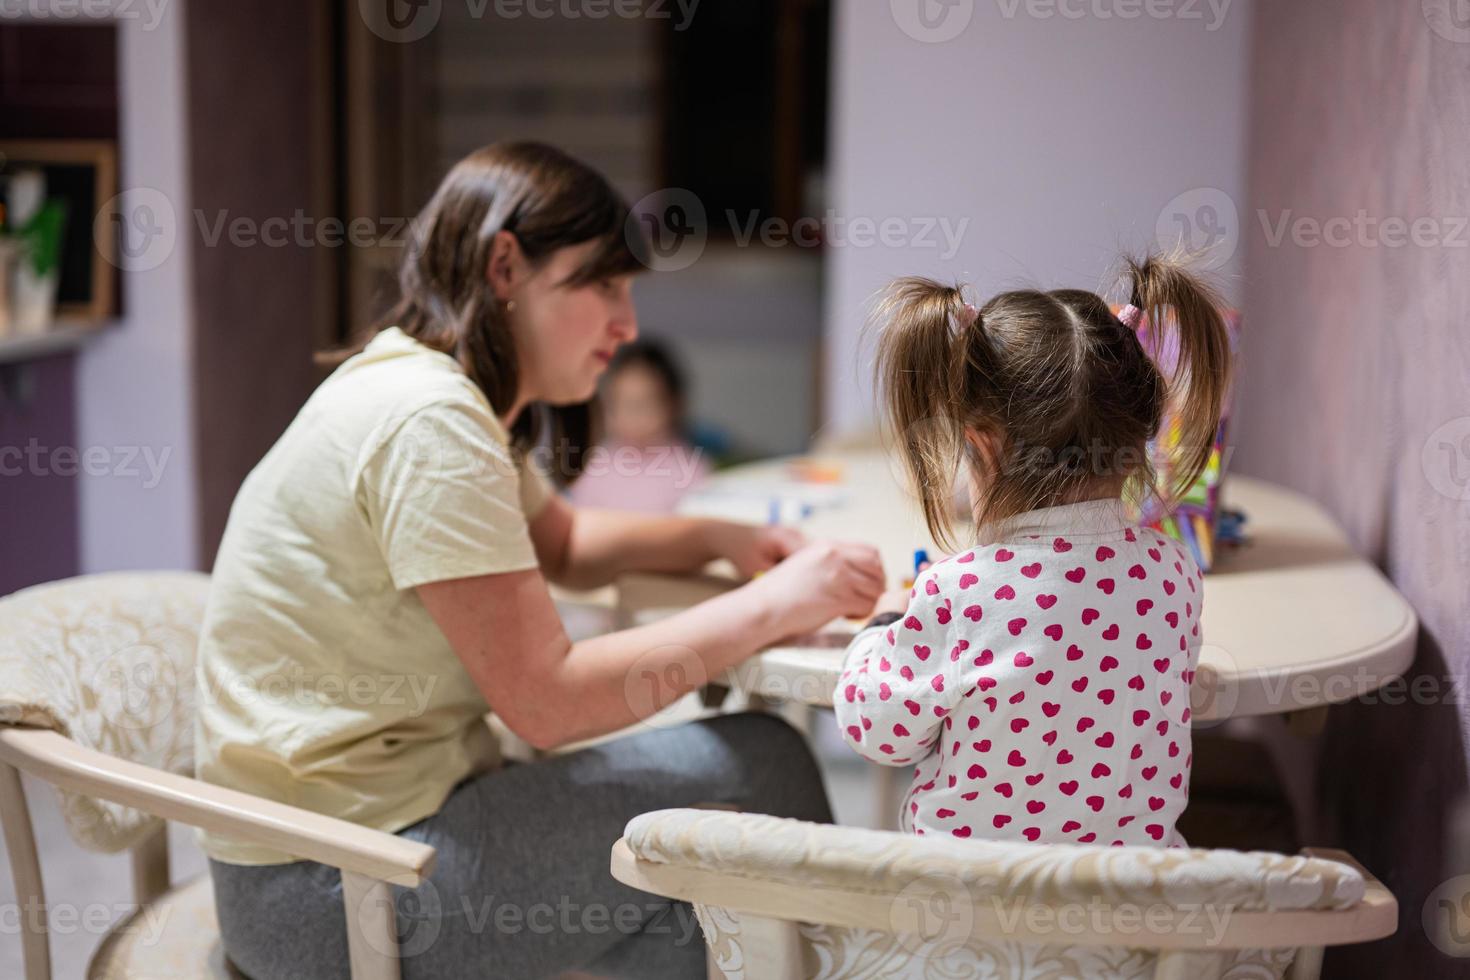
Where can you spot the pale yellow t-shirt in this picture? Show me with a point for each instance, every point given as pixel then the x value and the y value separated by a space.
pixel 323 681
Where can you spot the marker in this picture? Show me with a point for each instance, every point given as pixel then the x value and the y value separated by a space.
pixel 921 558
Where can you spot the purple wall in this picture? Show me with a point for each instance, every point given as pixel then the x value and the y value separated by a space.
pixel 1357 391
pixel 38 504
pixel 1046 144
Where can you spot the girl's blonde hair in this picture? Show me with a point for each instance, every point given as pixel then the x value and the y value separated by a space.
pixel 1060 391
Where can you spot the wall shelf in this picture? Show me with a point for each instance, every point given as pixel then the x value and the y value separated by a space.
pixel 63 336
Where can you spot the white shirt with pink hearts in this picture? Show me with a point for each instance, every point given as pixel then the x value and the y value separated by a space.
pixel 1039 685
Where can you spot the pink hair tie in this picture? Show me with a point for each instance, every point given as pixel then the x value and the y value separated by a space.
pixel 1130 316
pixel 969 315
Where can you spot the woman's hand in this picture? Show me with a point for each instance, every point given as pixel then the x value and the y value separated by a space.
pixel 820 582
pixel 893 601
pixel 752 548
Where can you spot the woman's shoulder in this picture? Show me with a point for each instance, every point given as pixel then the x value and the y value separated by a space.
pixel 372 405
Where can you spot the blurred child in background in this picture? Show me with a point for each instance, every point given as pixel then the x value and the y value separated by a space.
pixel 645 461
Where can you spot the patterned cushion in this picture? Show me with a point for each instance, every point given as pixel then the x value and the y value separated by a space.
pixel 1003 875
pixel 108 661
pixel 176 936
pixel 836 953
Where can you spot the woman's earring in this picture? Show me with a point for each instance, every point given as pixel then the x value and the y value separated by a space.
pixel 510 306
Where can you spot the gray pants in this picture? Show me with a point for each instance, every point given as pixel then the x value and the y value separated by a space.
pixel 520 886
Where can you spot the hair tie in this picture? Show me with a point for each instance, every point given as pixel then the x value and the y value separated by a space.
pixel 969 315
pixel 1130 316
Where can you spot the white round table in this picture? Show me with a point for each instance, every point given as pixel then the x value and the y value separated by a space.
pixel 1293 620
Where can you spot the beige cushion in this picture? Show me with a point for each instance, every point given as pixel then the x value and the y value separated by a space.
pixel 1014 875
pixel 175 936
pixel 108 661
pixel 853 858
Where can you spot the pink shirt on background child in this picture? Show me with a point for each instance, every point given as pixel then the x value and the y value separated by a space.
pixel 647 480
pixel 1040 685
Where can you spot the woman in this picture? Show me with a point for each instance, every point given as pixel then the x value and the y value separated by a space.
pixel 382 584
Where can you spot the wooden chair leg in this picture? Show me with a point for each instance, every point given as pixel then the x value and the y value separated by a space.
pixel 1307 964
pixel 25 869
pixel 771 948
pixel 150 867
pixel 372 929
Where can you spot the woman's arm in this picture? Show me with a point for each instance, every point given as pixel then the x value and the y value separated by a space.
pixel 550 691
pixel 584 548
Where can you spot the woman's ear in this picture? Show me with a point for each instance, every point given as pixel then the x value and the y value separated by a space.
pixel 507 265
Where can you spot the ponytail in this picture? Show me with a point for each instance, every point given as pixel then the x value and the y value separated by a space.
pixel 1163 287
pixel 920 368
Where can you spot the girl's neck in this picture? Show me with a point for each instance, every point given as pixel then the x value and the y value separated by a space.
pixel 1102 490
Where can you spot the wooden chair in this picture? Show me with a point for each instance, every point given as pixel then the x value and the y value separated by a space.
pixel 788 900
pixel 96 698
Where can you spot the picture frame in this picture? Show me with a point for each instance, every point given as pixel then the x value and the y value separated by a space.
pixel 84 172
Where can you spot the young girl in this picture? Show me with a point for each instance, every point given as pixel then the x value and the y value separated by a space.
pixel 1039 680
pixel 645 463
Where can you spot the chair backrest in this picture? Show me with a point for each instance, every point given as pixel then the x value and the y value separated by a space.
pixel 792 899
pixel 108 661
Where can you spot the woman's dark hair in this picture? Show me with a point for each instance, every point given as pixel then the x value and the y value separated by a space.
pixel 549 201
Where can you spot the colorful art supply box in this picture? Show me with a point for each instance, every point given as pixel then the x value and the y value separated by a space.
pixel 1197 518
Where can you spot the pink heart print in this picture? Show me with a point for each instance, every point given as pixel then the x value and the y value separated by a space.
pixel 1028 684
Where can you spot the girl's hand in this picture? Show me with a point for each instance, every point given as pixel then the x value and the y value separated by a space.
pixel 751 548
pixel 819 583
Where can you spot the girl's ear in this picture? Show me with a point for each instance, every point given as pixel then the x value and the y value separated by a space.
pixel 507 267
pixel 986 448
